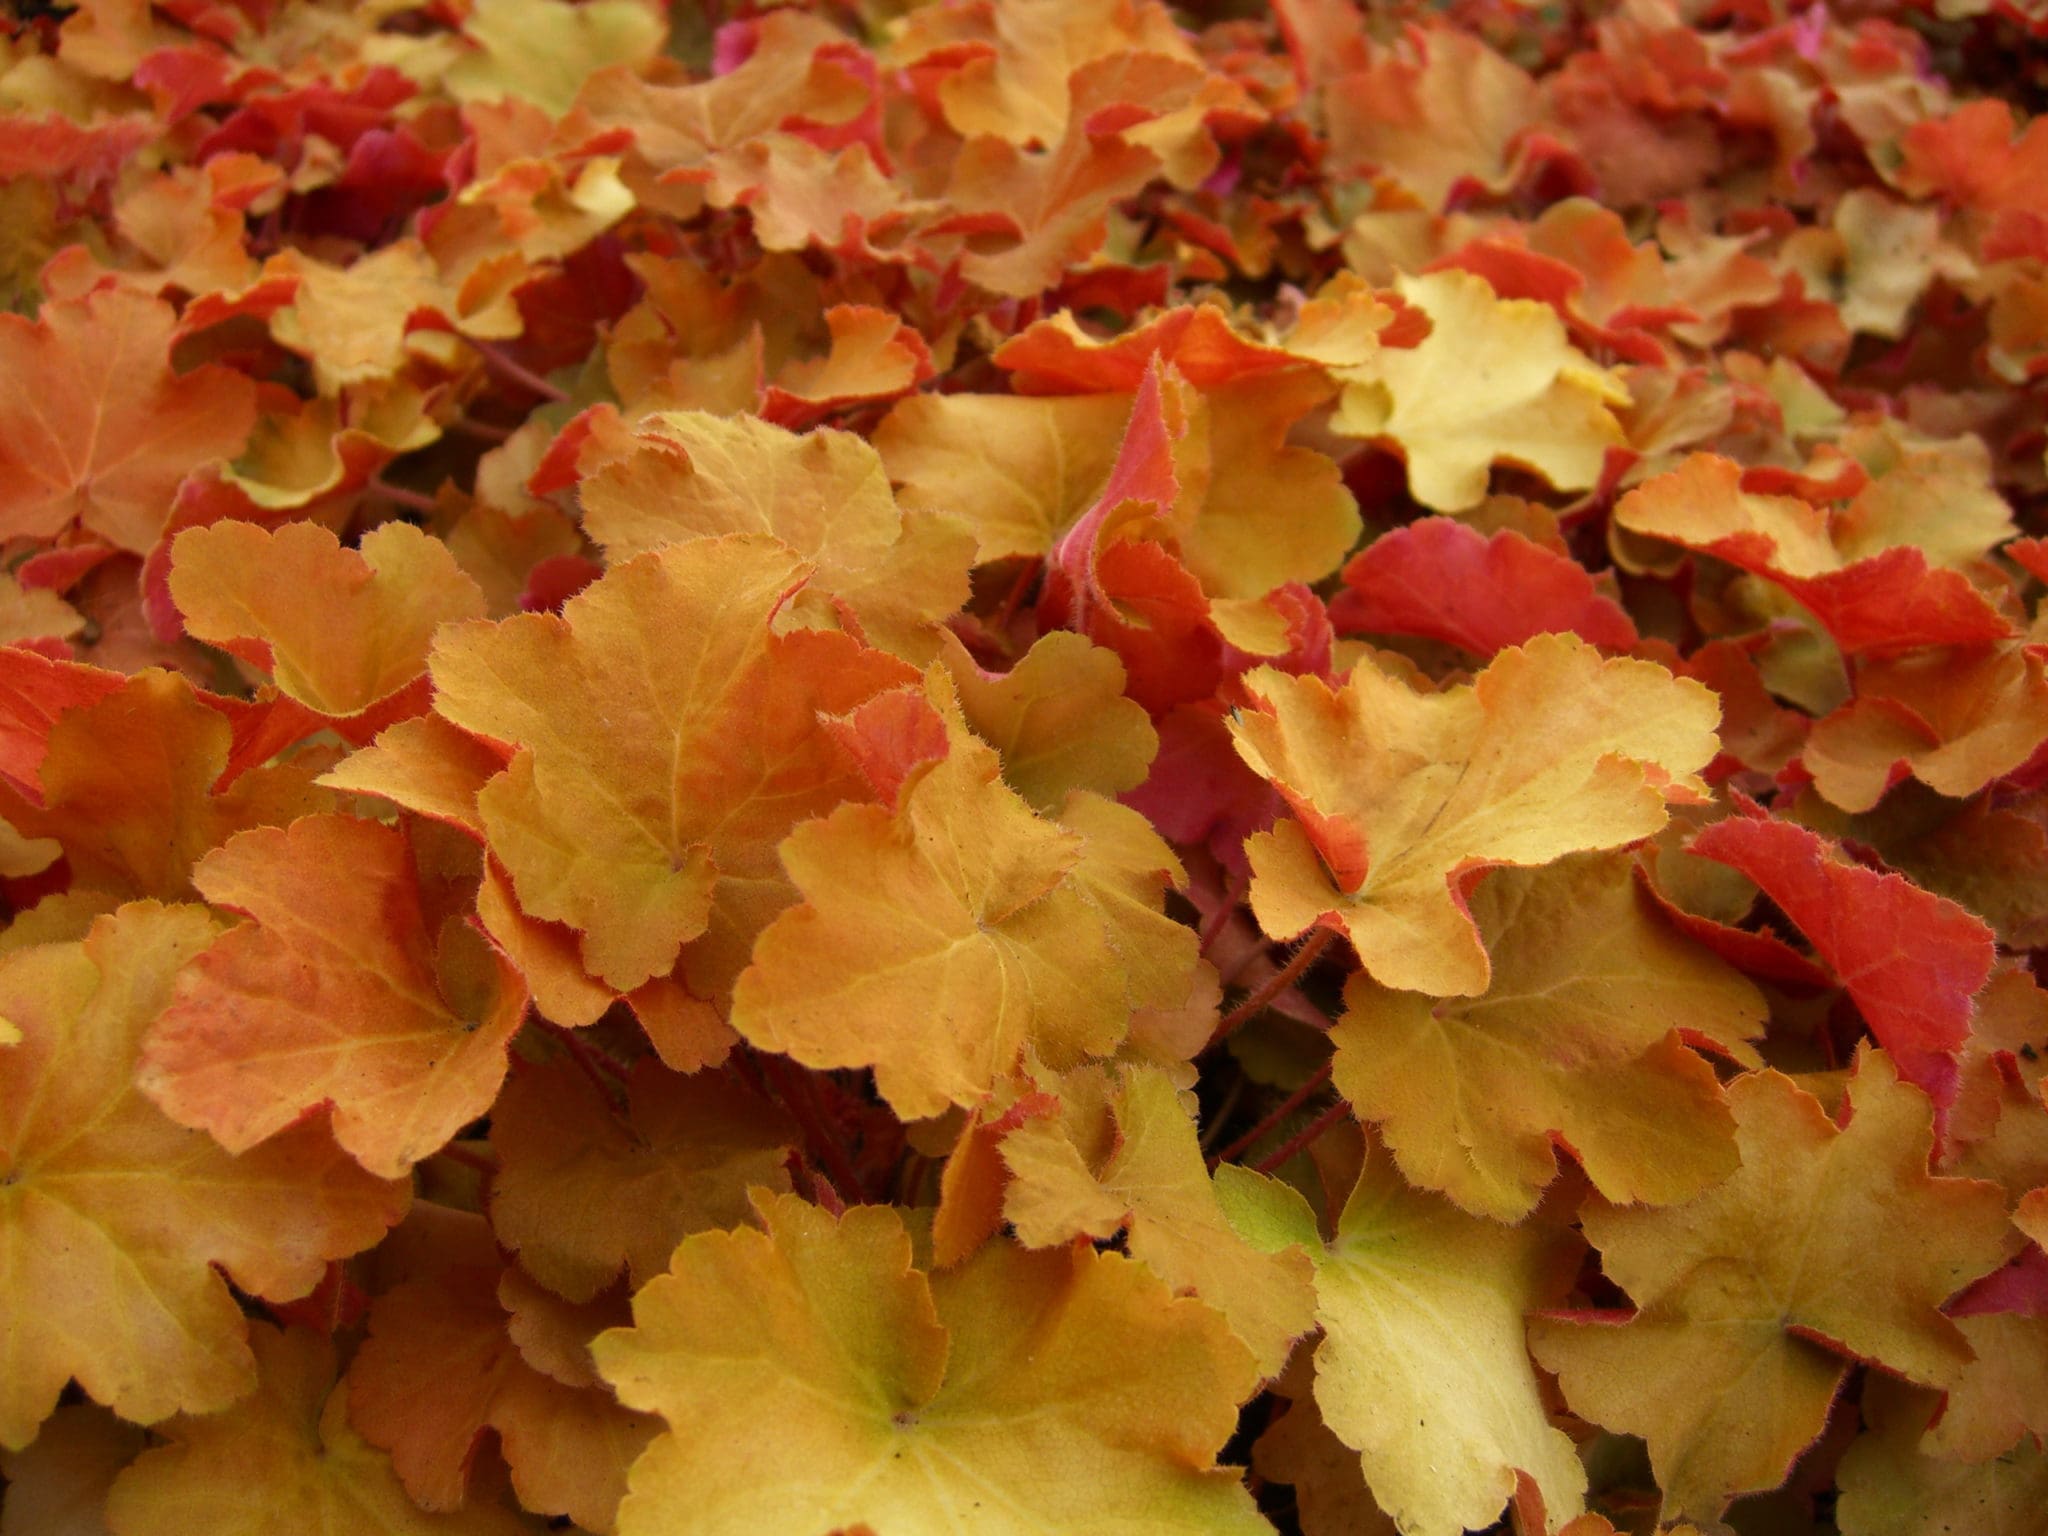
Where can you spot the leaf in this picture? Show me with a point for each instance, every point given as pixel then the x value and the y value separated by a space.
pixel 1440 579
pixel 1890 1486
pixel 582 1193
pixel 937 941
pixel 423 765
pixel 113 1219
pixel 352 322
pixel 1018 471
pixel 1058 718
pixel 1910 960
pixel 1956 721
pixel 691 475
pixel 132 788
pixel 339 629
pixel 338 994
pixel 1156 1187
pixel 440 1369
pixel 282 1457
pixel 666 738
pixel 1576 1043
pixel 1422 1369
pixel 884 1397
pixel 1753 1292
pixel 96 429
pixel 543 50
pixel 1443 111
pixel 1884 600
pixel 1552 750
pixel 1495 381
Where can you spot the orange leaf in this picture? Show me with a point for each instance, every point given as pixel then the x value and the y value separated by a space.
pixel 666 737
pixel 339 629
pixel 337 994
pixel 114 1219
pixel 96 429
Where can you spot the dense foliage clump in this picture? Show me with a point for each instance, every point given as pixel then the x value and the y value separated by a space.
pixel 1023 766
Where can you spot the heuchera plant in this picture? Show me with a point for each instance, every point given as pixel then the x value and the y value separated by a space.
pixel 1037 767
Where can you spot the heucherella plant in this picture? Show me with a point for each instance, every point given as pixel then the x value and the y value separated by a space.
pixel 1032 767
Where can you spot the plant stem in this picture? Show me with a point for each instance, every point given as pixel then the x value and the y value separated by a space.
pixel 1303 1139
pixel 1272 986
pixel 399 496
pixel 505 366
pixel 1273 1121
pixel 794 1088
pixel 605 1075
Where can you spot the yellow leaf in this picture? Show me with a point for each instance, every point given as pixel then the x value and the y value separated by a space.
pixel 283 1459
pixel 1495 381
pixel 937 941
pixel 1152 1180
pixel 690 475
pixel 1058 718
pixel 1422 1369
pixel 1747 1291
pixel 984 1398
pixel 1575 1041
pixel 1552 750
pixel 543 50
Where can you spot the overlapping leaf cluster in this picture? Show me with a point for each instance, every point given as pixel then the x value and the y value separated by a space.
pixel 1023 766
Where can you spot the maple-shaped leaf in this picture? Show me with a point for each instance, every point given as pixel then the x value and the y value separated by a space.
pixel 1058 718
pixel 1910 960
pixel 1495 381
pixel 1039 213
pixel 939 939
pixel 1422 1368
pixel 881 1397
pixel 1954 720
pixel 1828 1241
pixel 1576 1042
pixel 1017 470
pixel 543 50
pixel 283 1458
pixel 825 494
pixel 666 737
pixel 1441 579
pixel 352 322
pixel 1884 599
pixel 95 427
pixel 1013 80
pixel 337 994
pixel 1441 112
pixel 1150 1181
pixel 113 1219
pixel 440 1369
pixel 130 788
pixel 1891 1485
pixel 338 629
pixel 584 1191
pixel 1400 793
